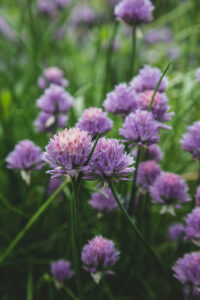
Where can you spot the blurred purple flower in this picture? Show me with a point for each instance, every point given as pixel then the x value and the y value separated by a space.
pixel 52 75
pixel 153 152
pixel 192 227
pixel 197 196
pixel 140 128
pixel 147 79
pixel 169 190
pixel 187 271
pixel 94 121
pixel 82 15
pixel 61 270
pixel 175 231
pixel 49 122
pixel 99 255
pixel 191 140
pixel 54 183
pixel 148 171
pixel 67 152
pixel 157 35
pixel 103 201
pixel 134 12
pixel 109 162
pixel 121 101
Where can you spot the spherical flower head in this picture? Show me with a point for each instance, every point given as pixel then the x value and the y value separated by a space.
pixel 52 75
pixel 147 79
pixel 187 271
pixel 103 201
pixel 197 196
pixel 67 152
pixel 159 108
pixel 134 12
pixel 121 101
pixel 99 255
pixel 148 171
pixel 47 122
pixel 109 162
pixel 192 227
pixel 169 190
pixel 61 270
pixel 55 100
pixel 191 140
pixel 94 121
pixel 140 128
pixel 175 231
pixel 198 75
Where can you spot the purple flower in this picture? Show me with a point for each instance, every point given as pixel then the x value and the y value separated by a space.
pixel 140 128
pixel 82 15
pixel 197 196
pixel 192 227
pixel 103 201
pixel 94 121
pixel 67 152
pixel 109 162
pixel 52 75
pixel 62 3
pixel 54 183
pixel 175 231
pixel 187 271
pixel 134 12
pixel 191 140
pixel 153 152
pixel 148 171
pixel 25 157
pixel 198 75
pixel 159 108
pixel 147 79
pixel 168 190
pixel 158 35
pixel 99 255
pixel 46 7
pixel 121 101
pixel 61 270
pixel 48 122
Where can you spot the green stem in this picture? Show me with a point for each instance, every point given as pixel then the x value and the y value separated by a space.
pixel 158 84
pixel 93 148
pixel 32 221
pixel 70 293
pixel 133 52
pixel 76 240
pixel 109 59
pixel 138 233
pixel 133 190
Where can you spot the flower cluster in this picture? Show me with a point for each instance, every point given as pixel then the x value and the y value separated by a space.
pixel 192 227
pixel 169 190
pixel 103 201
pixel 61 270
pixel 148 171
pixel 67 152
pixel 52 75
pixel 94 121
pixel 134 12
pixel 54 105
pixel 191 140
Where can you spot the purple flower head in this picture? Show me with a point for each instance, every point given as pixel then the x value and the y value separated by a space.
pixel 197 196
pixel 82 15
pixel 46 7
pixel 168 190
pixel 99 255
pixel 54 183
pixel 103 201
pixel 134 12
pixel 48 122
pixel 148 171
pixel 61 270
pixel 192 227
pixel 25 157
pixel 191 140
pixel 62 3
pixel 198 75
pixel 94 121
pixel 121 101
pixel 158 35
pixel 153 152
pixel 159 107
pixel 67 152
pixel 147 79
pixel 52 75
pixel 55 100
pixel 187 271
pixel 175 231
pixel 140 128
pixel 109 162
